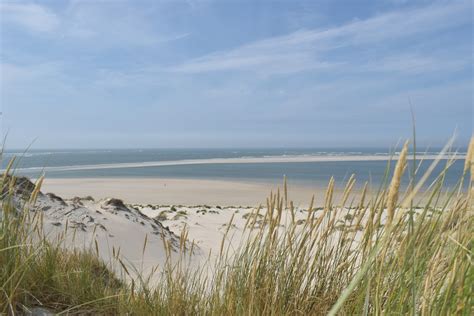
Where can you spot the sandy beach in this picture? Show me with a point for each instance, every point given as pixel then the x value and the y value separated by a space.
pixel 139 229
pixel 166 191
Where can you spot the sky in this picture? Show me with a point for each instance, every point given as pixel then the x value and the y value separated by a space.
pixel 151 74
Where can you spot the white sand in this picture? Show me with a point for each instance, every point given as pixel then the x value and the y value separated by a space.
pixel 109 228
pixel 207 226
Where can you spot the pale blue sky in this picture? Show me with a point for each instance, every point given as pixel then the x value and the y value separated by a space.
pixel 235 73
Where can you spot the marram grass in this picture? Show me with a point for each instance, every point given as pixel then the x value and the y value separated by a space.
pixel 386 257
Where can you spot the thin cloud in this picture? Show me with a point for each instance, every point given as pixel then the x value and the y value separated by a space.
pixel 33 17
pixel 116 24
pixel 415 64
pixel 309 49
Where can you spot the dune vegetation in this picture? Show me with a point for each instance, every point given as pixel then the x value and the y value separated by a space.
pixel 396 252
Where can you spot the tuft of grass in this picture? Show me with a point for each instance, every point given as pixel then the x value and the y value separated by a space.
pixel 162 216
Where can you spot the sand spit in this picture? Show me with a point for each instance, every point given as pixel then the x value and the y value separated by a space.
pixel 241 160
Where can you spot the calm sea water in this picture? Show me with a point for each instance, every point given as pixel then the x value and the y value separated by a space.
pixel 306 173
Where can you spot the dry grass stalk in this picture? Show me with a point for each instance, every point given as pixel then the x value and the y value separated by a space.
pixel 392 197
pixel 329 194
pixel 469 156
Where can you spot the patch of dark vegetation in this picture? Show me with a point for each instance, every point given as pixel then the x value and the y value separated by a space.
pixel 77 201
pixel 252 215
pixel 349 217
pixel 56 198
pixel 117 203
pixel 162 216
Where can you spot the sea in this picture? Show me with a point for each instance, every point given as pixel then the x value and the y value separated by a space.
pixel 201 164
